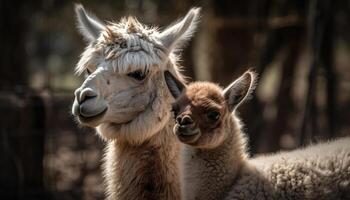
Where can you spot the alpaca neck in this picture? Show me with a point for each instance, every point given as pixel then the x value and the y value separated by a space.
pixel 145 171
pixel 217 168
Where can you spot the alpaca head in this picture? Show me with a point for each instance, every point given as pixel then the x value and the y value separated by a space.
pixel 202 109
pixel 124 94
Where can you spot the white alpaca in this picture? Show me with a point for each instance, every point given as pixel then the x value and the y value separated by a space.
pixel 126 99
pixel 215 162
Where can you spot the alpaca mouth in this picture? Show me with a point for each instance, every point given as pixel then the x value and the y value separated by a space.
pixel 189 139
pixel 186 134
pixel 92 119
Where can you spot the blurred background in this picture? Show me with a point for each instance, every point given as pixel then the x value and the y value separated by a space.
pixel 301 49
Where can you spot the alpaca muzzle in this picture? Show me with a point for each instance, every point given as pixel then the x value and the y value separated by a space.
pixel 88 106
pixel 187 133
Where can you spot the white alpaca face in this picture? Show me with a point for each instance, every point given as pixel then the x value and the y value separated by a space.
pixel 121 68
pixel 124 95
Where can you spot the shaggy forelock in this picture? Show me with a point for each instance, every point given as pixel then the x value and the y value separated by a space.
pixel 205 93
pixel 125 46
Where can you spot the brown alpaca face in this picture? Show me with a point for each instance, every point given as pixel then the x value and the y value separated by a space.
pixel 202 110
pixel 199 113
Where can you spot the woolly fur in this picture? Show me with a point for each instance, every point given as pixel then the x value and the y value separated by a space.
pixel 141 159
pixel 320 171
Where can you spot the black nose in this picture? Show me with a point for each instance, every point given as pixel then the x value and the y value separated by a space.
pixel 185 120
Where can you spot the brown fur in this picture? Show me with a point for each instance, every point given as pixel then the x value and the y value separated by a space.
pixel 200 98
pixel 218 167
pixel 203 177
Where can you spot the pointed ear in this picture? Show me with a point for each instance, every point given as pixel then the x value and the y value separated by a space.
pixel 180 32
pixel 239 90
pixel 175 86
pixel 90 27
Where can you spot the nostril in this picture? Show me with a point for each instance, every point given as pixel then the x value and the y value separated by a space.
pixel 178 120
pixel 87 94
pixel 186 120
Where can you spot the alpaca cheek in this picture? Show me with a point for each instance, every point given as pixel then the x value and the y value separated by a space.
pixel 212 138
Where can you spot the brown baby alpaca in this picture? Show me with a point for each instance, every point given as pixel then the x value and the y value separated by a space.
pixel 215 164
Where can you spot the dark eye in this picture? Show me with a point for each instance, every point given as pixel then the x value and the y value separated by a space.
pixel 123 45
pixel 88 71
pixel 213 115
pixel 138 75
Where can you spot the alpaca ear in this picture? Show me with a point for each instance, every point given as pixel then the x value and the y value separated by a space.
pixel 180 32
pixel 239 90
pixel 90 27
pixel 175 86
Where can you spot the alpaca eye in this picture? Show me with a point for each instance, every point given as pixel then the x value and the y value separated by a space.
pixel 213 115
pixel 138 75
pixel 88 71
pixel 123 45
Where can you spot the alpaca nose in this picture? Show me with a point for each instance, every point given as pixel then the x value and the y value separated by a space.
pixel 87 103
pixel 185 120
pixel 85 94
